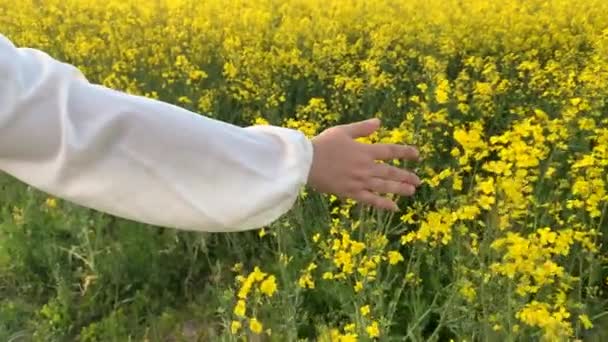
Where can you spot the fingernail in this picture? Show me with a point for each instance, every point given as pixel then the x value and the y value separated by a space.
pixel 416 152
pixel 416 181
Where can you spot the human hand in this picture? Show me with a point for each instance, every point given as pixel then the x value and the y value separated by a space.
pixel 347 168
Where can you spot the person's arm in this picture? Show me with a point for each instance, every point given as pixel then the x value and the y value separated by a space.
pixel 153 162
pixel 138 158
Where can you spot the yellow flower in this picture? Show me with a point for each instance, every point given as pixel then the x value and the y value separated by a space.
pixel 348 338
pixel 239 308
pixel 365 310
pixel 394 257
pixel 468 291
pixel 255 326
pixel 259 121
pixel 245 287
pixel 457 183
pixel 269 286
pixel 316 237
pixel 585 321
pixel 407 238
pixel 230 70
pixel 306 281
pixel 262 232
pixel 442 91
pixel 373 330
pixel 357 247
pixel 257 274
pixel 358 286
pixel 408 217
pixel 235 326
pixel 51 203
pixel 554 323
pixel 486 202
pixel 487 186
pixel 184 100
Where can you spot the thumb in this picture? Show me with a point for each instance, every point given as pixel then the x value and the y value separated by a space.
pixel 362 128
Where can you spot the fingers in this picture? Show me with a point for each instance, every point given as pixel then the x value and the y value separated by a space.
pixel 391 187
pixel 393 151
pixel 393 173
pixel 362 128
pixel 374 200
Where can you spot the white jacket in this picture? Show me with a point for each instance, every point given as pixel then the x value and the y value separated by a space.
pixel 138 158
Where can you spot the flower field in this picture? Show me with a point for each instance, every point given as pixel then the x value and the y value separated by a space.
pixel 506 240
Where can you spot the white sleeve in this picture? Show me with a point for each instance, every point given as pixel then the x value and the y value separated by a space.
pixel 138 158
